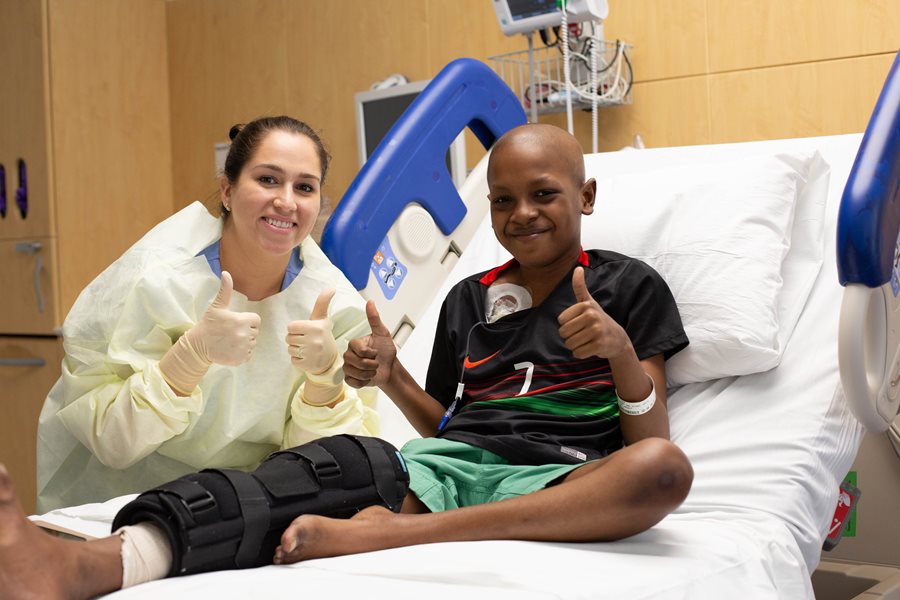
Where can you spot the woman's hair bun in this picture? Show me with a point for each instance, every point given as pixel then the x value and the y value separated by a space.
pixel 234 131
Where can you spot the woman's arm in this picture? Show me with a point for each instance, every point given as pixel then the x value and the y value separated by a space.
pixel 123 419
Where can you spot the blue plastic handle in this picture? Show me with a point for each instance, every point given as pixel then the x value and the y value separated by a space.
pixel 3 202
pixel 869 215
pixel 409 163
pixel 22 190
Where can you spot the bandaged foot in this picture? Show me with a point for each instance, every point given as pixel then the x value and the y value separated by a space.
pixel 146 554
pixel 34 564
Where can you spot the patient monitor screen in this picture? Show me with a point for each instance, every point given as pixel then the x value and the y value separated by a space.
pixel 379 115
pixel 522 9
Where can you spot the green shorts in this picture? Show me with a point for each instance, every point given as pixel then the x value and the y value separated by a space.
pixel 445 474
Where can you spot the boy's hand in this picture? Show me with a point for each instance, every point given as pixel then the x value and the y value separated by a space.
pixel 586 328
pixel 369 360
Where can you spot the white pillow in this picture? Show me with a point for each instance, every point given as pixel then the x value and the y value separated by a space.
pixel 721 234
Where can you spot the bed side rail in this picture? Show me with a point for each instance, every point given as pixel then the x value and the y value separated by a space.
pixel 868 254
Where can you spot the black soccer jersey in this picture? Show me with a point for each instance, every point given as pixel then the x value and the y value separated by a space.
pixel 525 396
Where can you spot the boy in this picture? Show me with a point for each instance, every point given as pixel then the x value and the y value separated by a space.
pixel 513 412
pixel 527 378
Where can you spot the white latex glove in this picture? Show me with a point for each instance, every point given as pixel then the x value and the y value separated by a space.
pixel 310 342
pixel 222 336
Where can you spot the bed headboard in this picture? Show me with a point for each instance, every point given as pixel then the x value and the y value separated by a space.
pixel 402 224
pixel 409 166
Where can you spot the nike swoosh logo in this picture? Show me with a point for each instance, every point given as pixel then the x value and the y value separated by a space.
pixel 467 364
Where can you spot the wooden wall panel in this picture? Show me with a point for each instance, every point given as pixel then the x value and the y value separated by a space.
pixel 804 100
pixel 669 38
pixel 458 28
pixel 670 113
pixel 353 44
pixel 309 58
pixel 226 65
pixel 744 34
pixel 482 38
pixel 109 73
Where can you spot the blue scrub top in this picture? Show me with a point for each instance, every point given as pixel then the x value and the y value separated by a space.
pixel 211 253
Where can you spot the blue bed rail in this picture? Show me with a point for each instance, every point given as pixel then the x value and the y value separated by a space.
pixel 869 216
pixel 409 163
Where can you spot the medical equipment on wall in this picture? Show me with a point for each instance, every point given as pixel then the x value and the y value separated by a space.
pixel 402 223
pixel 576 69
pixel 870 220
pixel 525 16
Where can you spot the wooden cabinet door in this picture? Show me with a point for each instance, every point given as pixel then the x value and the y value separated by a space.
pixel 24 130
pixel 28 276
pixel 28 369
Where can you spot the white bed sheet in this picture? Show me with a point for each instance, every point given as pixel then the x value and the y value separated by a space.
pixel 768 452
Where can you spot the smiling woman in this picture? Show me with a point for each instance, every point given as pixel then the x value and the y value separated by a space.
pixel 271 205
pixel 212 341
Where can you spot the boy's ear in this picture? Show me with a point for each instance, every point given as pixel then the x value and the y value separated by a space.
pixel 588 196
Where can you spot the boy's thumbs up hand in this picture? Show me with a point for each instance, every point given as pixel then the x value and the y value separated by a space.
pixel 311 343
pixel 586 328
pixel 581 292
pixel 370 359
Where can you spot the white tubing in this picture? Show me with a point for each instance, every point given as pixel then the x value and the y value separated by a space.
pixel 567 77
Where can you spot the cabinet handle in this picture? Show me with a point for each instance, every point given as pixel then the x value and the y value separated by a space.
pixel 32 249
pixel 2 192
pixel 22 362
pixel 22 191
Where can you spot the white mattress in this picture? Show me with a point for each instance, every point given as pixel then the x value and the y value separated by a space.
pixel 768 452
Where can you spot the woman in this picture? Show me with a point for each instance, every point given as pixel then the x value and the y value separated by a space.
pixel 211 342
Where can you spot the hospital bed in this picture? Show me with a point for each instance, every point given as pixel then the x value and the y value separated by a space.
pixel 746 236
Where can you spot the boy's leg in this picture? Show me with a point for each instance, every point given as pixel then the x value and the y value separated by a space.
pixel 609 499
pixel 333 475
pixel 34 564
pixel 224 519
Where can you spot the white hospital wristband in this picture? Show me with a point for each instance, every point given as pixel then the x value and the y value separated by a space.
pixel 638 408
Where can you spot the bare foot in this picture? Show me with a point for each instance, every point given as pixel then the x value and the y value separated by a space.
pixel 26 553
pixel 313 536
pixel 34 564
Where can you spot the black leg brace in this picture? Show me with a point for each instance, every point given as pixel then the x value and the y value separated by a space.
pixel 226 519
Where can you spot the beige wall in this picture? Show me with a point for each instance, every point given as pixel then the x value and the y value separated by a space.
pixel 713 71
pixel 706 71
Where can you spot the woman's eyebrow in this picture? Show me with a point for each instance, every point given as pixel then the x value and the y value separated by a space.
pixel 280 170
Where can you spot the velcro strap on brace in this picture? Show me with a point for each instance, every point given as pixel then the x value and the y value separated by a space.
pixel 255 513
pixel 227 519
